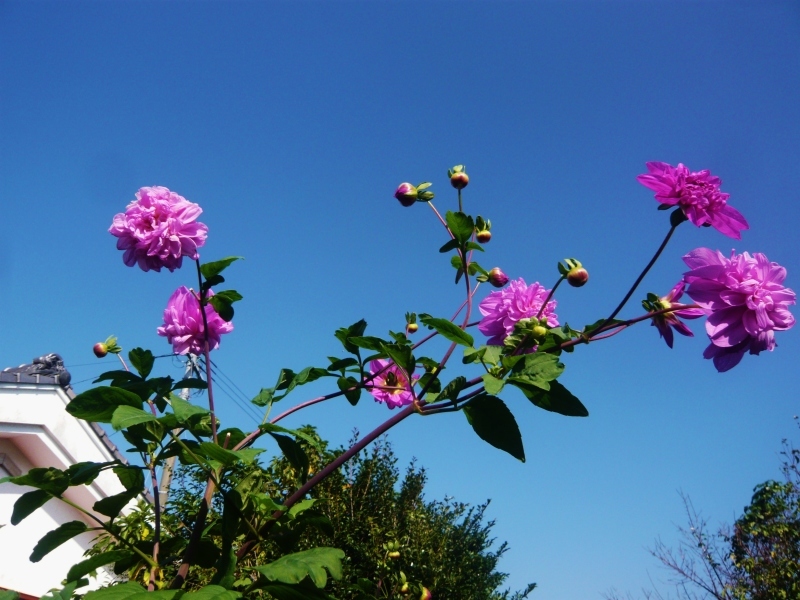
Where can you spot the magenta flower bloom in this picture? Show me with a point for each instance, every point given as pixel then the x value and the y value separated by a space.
pixel 745 300
pixel 503 308
pixel 697 194
pixel 183 323
pixel 158 229
pixel 391 385
pixel 666 322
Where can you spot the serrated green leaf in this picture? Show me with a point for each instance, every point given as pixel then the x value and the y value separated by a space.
pixel 53 539
pixel 218 453
pixel 27 503
pixel 229 296
pixel 343 334
pixel 494 423
pixel 131 478
pixel 448 330
pixel 460 225
pixel 112 505
pixel 142 360
pixel 210 592
pixel 222 307
pixel 293 568
pixel 48 479
pixel 185 412
pixel 95 562
pixel 473 246
pixel 492 384
pixel 119 376
pixel 558 399
pixel 351 389
pixel 98 404
pixel 272 427
pixel 339 364
pixel 211 269
pixel 452 389
pixel 368 342
pixel 125 416
pixel 450 245
pixel 264 397
pixel 400 356
pixel 84 473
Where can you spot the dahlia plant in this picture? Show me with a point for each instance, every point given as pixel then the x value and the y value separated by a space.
pixel 742 297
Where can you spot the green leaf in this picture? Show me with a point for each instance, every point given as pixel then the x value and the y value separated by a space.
pixel 473 246
pixel 125 416
pixel 452 389
pixel 212 281
pixel 131 478
pixel 344 334
pixel 118 376
pixel 211 269
pixel 27 503
pixel 218 453
pixel 53 539
pixel 264 397
pixel 142 361
pixel 210 592
pixel 98 404
pixel 8 595
pixel 368 342
pixel 229 296
pixel 271 427
pixel 225 568
pixel 95 562
pixel 123 591
pixel 339 364
pixel 185 412
pixel 222 307
pixel 112 505
pixel 537 369
pixel 84 473
pixel 351 389
pixel 294 454
pixel 48 479
pixel 492 384
pixel 494 423
pixel 448 330
pixel 450 245
pixel 558 399
pixel 284 591
pixel 401 356
pixel 460 225
pixel 293 568
pixel 190 383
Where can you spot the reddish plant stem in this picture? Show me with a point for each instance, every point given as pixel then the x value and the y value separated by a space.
pixel 156 528
pixel 122 360
pixel 249 544
pixel 441 220
pixel 549 296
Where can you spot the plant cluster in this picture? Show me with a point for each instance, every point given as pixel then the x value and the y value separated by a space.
pixel 742 296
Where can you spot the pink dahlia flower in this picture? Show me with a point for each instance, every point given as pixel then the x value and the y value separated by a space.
pixel 697 194
pixel 158 229
pixel 390 385
pixel 502 309
pixel 745 300
pixel 183 323
pixel 666 322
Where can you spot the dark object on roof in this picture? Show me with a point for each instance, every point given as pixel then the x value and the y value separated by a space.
pixel 49 366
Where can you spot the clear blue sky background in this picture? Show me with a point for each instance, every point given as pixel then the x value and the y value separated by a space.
pixel 292 123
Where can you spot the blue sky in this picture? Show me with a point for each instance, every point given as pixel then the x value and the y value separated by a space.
pixel 292 123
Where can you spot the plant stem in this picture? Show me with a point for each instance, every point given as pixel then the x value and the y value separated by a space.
pixel 206 352
pixel 549 296
pixel 441 220
pixel 641 276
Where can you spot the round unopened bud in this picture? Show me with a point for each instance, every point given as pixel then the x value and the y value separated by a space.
pixel 497 278
pixel 406 194
pixel 483 236
pixel 459 180
pixel 539 332
pixel 412 327
pixel 394 555
pixel 404 589
pixel 100 349
pixel 577 276
pixel 426 594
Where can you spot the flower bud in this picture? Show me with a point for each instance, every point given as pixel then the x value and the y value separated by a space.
pixel 426 594
pixel 577 276
pixel 394 555
pixel 412 327
pixel 483 236
pixel 459 180
pixel 100 349
pixel 404 589
pixel 539 332
pixel 406 194
pixel 497 278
